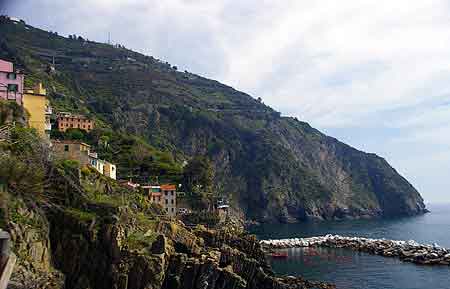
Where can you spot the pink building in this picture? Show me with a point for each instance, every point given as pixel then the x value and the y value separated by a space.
pixel 11 82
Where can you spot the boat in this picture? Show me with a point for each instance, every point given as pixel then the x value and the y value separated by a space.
pixel 279 255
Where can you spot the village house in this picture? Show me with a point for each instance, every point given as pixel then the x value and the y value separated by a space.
pixel 67 120
pixel 11 82
pixel 164 195
pixel 72 150
pixel 170 198
pixel 81 152
pixel 154 194
pixel 36 103
pixel 109 170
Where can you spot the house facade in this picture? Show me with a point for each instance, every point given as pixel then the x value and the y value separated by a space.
pixel 36 103
pixel 72 150
pixel 154 194
pixel 109 170
pixel 81 152
pixel 169 193
pixel 164 195
pixel 11 82
pixel 67 120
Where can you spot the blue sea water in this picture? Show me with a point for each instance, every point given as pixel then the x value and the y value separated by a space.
pixel 354 270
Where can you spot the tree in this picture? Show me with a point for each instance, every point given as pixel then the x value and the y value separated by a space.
pixel 198 176
pixel 75 134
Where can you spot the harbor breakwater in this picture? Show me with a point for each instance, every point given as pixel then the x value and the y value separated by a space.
pixel 408 251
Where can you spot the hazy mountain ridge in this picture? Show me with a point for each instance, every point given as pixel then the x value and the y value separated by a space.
pixel 275 168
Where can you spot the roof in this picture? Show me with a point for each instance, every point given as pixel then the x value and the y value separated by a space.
pixel 70 115
pixel 6 66
pixel 70 142
pixel 151 187
pixel 168 187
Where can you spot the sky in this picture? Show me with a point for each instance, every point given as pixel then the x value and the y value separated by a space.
pixel 372 73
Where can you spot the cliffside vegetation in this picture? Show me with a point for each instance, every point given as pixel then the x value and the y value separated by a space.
pixel 155 118
pixel 74 228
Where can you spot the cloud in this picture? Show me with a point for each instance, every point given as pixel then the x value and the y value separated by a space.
pixel 374 73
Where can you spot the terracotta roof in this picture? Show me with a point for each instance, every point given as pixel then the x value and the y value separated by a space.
pixel 168 187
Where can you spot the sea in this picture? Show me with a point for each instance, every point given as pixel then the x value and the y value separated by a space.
pixel 355 270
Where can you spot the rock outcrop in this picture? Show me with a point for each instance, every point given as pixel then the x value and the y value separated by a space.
pixel 101 246
pixel 29 232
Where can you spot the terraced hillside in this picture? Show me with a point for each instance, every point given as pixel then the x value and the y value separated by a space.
pixel 273 168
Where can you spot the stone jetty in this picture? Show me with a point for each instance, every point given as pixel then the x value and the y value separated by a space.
pixel 408 251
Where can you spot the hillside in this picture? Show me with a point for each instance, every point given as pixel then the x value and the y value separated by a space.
pixel 273 168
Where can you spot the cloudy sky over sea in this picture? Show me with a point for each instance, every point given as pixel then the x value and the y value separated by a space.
pixel 372 73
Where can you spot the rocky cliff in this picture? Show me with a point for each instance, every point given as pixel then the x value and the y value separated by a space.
pixel 273 168
pixel 103 238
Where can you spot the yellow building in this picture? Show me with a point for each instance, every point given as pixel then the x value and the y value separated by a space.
pixel 36 103
pixel 109 170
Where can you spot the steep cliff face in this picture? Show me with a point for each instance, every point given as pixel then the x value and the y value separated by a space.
pixel 273 168
pixel 82 245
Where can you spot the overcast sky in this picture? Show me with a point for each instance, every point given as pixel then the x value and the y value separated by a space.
pixel 372 73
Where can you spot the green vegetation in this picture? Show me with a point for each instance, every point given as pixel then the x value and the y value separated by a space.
pixel 210 219
pixel 81 215
pixel 140 240
pixel 151 119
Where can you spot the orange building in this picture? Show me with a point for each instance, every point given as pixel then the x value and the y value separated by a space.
pixel 68 120
pixel 164 195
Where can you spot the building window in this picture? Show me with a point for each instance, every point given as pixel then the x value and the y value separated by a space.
pixel 167 202
pixel 173 210
pixel 13 87
pixel 171 201
pixel 171 193
pixel 66 148
pixel 11 75
pixel 165 193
